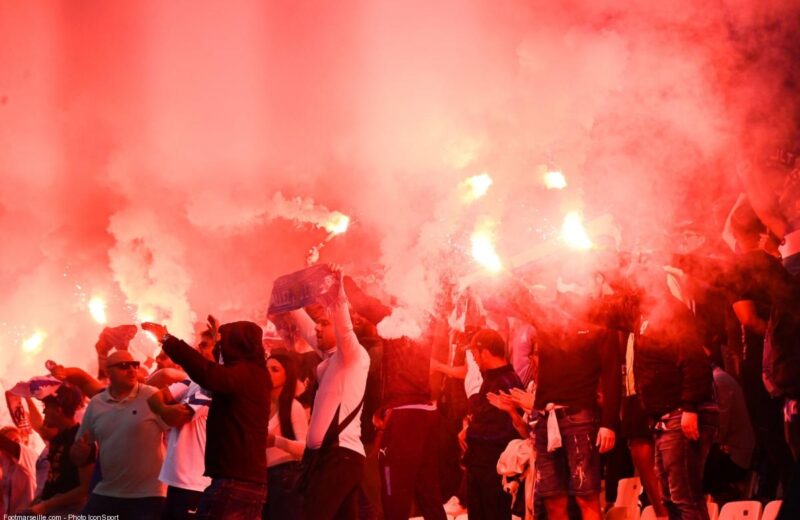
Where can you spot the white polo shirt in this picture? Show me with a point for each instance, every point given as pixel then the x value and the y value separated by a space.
pixel 131 448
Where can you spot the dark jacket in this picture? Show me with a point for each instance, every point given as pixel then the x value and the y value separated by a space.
pixel 405 372
pixel 236 432
pixel 575 362
pixel 670 368
pixel 491 429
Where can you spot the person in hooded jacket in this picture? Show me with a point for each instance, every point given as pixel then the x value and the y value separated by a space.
pixel 236 431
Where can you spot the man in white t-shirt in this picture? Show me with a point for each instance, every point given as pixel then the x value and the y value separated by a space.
pixel 130 436
pixel 184 406
pixel 332 490
pixel 17 472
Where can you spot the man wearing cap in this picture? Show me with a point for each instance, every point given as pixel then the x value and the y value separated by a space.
pixel 236 430
pixel 490 429
pixel 130 438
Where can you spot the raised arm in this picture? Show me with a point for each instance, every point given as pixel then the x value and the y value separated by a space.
pixel 206 373
pixel 37 421
pixel 78 377
pixel 346 341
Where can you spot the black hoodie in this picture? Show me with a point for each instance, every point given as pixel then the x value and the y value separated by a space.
pixel 236 443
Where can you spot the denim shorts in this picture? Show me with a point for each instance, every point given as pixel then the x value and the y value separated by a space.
pixel 573 469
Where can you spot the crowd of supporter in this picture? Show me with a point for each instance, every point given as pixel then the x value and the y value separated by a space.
pixel 682 369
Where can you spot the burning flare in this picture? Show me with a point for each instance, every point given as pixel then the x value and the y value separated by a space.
pixel 475 187
pixel 97 307
pixel 574 234
pixel 145 317
pixel 554 180
pixel 483 250
pixel 33 343
pixel 337 223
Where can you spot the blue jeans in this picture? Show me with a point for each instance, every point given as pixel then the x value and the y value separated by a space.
pixel 231 499
pixel 680 462
pixel 573 469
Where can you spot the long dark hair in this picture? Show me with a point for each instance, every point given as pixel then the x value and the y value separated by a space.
pixel 286 398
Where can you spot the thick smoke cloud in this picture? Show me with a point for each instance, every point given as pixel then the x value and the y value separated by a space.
pixel 176 157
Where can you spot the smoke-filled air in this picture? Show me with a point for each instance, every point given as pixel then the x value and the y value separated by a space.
pixel 167 160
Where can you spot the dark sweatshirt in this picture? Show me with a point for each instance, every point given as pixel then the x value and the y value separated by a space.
pixel 405 372
pixel 236 431
pixel 574 363
pixel 670 367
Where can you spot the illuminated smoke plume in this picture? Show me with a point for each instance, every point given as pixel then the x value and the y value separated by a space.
pixel 219 214
pixel 148 265
pixel 176 157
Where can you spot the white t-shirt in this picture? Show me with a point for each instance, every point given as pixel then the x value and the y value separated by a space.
pixel 287 450
pixel 131 447
pixel 342 382
pixel 18 480
pixel 184 464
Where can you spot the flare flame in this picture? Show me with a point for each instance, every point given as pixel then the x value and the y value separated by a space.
pixel 97 307
pixel 483 250
pixel 33 343
pixel 554 180
pixel 574 234
pixel 475 187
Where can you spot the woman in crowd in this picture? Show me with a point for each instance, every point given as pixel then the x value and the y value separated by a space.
pixel 286 439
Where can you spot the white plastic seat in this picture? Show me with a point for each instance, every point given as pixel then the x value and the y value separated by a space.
pixel 623 513
pixel 741 510
pixel 771 510
pixel 628 491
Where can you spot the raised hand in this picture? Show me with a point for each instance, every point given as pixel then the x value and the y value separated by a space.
pixel 157 330
pixel 213 326
pixel 56 370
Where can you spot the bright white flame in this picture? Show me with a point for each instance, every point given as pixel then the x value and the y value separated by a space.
pixel 483 250
pixel 475 187
pixel 554 180
pixel 33 343
pixel 573 233
pixel 337 223
pixel 97 307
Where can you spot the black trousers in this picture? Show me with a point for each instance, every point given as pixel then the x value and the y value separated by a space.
pixel 181 504
pixel 332 492
pixel 487 500
pixel 408 460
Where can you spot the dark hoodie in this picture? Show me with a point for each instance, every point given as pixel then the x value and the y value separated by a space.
pixel 236 443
